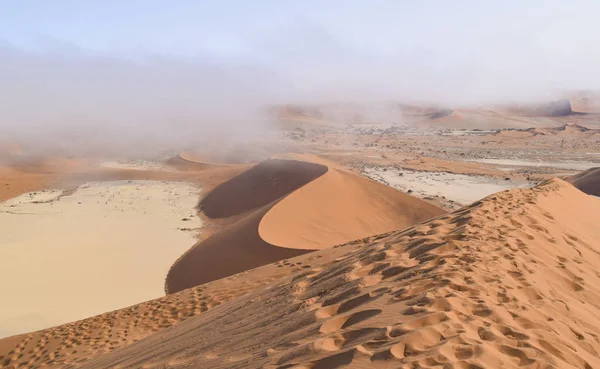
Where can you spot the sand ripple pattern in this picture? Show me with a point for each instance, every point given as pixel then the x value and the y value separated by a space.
pixel 510 281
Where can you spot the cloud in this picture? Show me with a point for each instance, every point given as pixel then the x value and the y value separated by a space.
pixel 84 101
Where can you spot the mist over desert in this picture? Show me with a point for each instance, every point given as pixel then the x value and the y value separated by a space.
pixel 305 185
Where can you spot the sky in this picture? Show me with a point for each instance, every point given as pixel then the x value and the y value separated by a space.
pixel 132 63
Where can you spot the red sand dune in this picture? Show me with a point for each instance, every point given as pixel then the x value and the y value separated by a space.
pixel 337 207
pixel 510 281
pixel 259 186
pixel 302 194
pixel 587 181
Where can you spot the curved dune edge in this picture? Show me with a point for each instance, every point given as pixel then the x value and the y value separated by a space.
pixel 587 181
pixel 234 249
pixel 198 160
pixel 238 247
pixel 509 281
pixel 306 205
pixel 339 207
pixel 258 186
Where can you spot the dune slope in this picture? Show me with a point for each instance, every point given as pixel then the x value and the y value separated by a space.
pixel 234 249
pixel 238 247
pixel 259 186
pixel 300 206
pixel 338 207
pixel 587 181
pixel 69 345
pixel 510 281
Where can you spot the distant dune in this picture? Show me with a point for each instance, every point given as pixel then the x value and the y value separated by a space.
pixel 557 108
pixel 568 129
pixel 314 206
pixel 487 119
pixel 587 181
pixel 504 116
pixel 586 102
pixel 226 155
pixel 509 281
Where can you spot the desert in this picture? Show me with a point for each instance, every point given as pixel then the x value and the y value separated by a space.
pixel 299 186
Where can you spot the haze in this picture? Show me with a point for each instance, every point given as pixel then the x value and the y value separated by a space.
pixel 120 74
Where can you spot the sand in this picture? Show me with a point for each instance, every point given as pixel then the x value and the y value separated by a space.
pixel 458 189
pixel 288 207
pixel 510 281
pixel 575 165
pixel 137 165
pixel 587 181
pixel 66 255
pixel 339 207
pixel 260 185
pixel 14 182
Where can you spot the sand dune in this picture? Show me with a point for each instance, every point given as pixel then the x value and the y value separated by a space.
pixel 557 108
pixel 338 207
pixel 238 247
pixel 294 191
pixel 587 181
pixel 490 119
pixel 232 250
pixel 586 103
pixel 259 186
pixel 509 282
pixel 568 129
pixel 69 345
pixel 229 153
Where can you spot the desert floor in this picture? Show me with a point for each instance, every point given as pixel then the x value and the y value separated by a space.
pixel 70 254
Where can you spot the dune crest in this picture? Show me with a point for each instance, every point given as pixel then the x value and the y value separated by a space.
pixel 587 181
pixel 301 190
pixel 258 186
pixel 337 207
pixel 509 281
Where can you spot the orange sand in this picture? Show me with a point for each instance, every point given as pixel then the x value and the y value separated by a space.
pixel 510 281
pixel 314 192
pixel 338 207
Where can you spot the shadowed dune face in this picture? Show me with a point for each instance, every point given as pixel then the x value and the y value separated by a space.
pixel 456 291
pixel 587 181
pixel 239 247
pixel 259 186
pixel 558 108
pixel 586 103
pixel 234 249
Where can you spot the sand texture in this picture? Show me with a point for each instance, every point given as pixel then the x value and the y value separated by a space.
pixel 509 281
pixel 314 206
